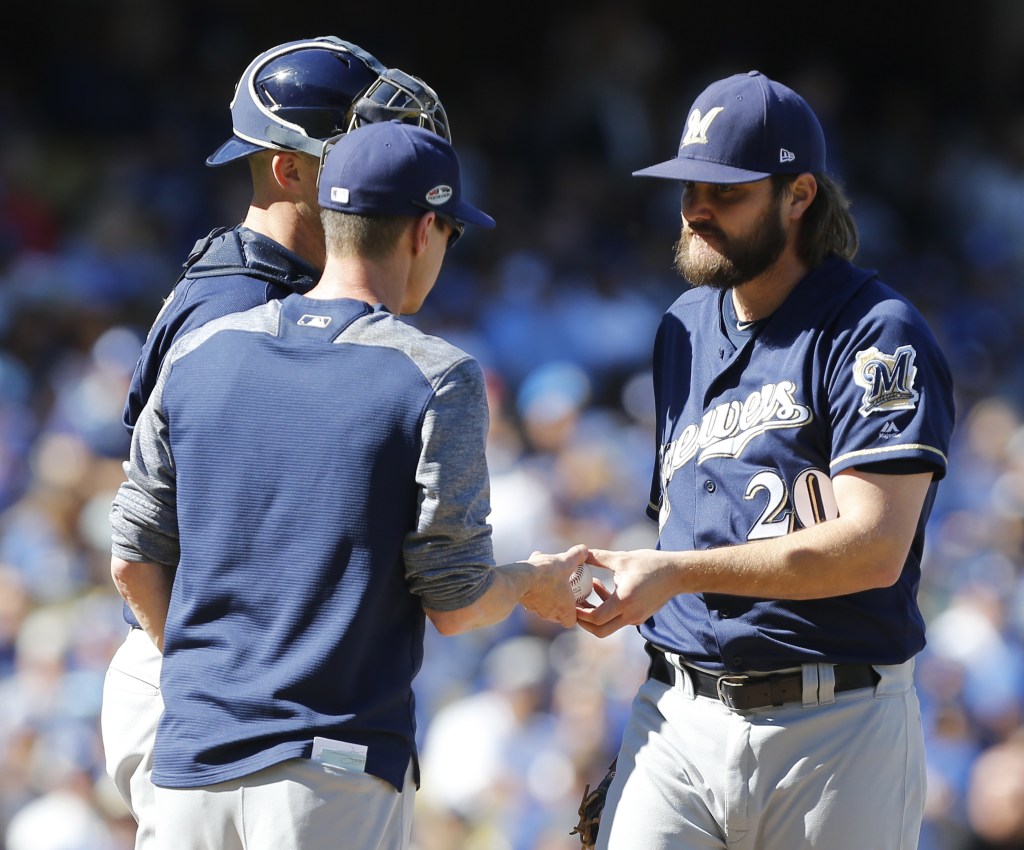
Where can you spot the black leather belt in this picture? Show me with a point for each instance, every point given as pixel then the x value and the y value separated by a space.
pixel 742 693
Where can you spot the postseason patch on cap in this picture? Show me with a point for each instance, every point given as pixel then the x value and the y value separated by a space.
pixel 439 195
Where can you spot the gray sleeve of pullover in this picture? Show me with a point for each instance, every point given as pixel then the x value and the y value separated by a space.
pixel 449 557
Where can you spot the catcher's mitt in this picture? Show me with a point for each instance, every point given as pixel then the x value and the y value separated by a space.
pixel 590 810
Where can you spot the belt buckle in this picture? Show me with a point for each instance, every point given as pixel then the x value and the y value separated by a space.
pixel 730 679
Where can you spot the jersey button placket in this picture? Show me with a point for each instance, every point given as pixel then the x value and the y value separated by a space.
pixel 709 486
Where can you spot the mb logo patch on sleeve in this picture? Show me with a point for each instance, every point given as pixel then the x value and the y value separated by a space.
pixel 887 379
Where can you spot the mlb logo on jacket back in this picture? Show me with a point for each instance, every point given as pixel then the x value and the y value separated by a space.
pixel 312 321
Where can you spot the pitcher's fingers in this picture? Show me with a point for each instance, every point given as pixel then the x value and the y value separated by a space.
pixel 609 609
pixel 602 630
pixel 601 558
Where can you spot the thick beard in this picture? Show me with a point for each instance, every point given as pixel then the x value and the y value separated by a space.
pixel 740 259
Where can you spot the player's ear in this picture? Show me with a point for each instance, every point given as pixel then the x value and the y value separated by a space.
pixel 286 168
pixel 421 232
pixel 802 191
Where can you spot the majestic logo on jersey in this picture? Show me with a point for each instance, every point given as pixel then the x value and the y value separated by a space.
pixel 888 380
pixel 725 430
pixel 311 321
pixel 697 127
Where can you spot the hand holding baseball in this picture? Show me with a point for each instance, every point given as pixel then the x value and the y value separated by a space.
pixel 582 582
pixel 546 595
pixel 644 580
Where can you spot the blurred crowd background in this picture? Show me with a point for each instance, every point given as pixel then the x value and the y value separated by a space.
pixel 107 111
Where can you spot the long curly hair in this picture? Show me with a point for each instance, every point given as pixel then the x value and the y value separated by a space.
pixel 827 226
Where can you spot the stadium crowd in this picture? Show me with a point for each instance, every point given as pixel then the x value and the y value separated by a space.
pixel 560 304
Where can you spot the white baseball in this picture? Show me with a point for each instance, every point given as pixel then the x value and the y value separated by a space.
pixel 582 582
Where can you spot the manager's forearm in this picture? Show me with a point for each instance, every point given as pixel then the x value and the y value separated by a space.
pixel 146 587
pixel 509 583
pixel 540 585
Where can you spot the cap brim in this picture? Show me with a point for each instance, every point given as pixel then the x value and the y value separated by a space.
pixel 469 214
pixel 234 148
pixel 700 171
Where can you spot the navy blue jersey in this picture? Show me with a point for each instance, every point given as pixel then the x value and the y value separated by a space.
pixel 226 272
pixel 316 470
pixel 846 373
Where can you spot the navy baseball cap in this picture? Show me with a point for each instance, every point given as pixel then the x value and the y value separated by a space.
pixel 393 168
pixel 295 95
pixel 745 128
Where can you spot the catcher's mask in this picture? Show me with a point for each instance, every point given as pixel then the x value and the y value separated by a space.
pixel 395 96
pixel 398 95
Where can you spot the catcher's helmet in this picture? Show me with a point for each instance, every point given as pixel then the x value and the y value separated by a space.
pixel 293 96
pixel 395 94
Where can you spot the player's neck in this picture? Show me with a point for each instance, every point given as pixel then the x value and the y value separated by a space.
pixel 761 296
pixel 285 225
pixel 373 281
